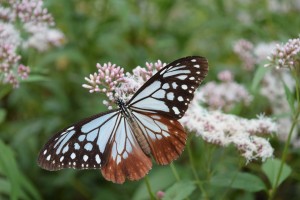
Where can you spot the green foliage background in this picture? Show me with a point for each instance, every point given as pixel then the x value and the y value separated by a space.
pixel 129 33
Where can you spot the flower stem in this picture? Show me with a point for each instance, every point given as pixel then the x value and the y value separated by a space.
pixel 286 146
pixel 175 172
pixel 199 182
pixel 152 196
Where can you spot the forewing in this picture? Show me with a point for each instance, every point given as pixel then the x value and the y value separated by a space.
pixel 81 145
pixel 165 136
pixel 171 89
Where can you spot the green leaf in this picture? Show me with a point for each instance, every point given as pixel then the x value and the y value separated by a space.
pixel 258 76
pixel 271 169
pixel 179 191
pixel 239 180
pixel 2 115
pixel 36 78
pixel 289 96
pixel 9 168
pixel 16 184
pixel 4 90
pixel 159 179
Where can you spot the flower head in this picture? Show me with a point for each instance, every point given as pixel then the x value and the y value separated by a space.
pixel 226 94
pixel 224 129
pixel 111 80
pixel 244 49
pixel 20 18
pixel 285 55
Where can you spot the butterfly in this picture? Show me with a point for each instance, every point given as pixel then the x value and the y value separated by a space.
pixel 122 141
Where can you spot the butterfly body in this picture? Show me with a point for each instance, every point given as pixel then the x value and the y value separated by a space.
pixel 141 139
pixel 121 142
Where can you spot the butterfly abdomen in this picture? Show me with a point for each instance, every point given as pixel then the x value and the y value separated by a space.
pixel 140 137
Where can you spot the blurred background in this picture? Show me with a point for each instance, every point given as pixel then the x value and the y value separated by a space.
pixel 128 33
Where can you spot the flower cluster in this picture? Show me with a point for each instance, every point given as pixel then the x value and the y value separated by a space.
pixel 112 81
pixel 251 55
pixel 224 129
pixel 286 55
pixel 23 24
pixel 213 126
pixel 244 49
pixel 225 95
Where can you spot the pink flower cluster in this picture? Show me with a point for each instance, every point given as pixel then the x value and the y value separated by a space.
pixel 286 58
pixel 285 55
pixel 18 18
pixel 213 126
pixel 224 129
pixel 225 95
pixel 112 81
pixel 106 80
pixel 244 49
pixel 251 55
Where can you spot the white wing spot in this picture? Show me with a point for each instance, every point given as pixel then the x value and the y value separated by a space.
pixel 71 128
pixel 173 73
pixel 174 85
pixel 88 146
pixel 192 78
pixel 48 157
pixel 193 60
pixel 159 94
pixel 118 159
pixel 180 98
pixel 81 138
pixel 73 155
pixel 85 158
pixel 45 152
pixel 61 158
pixel 163 71
pixel 170 96
pixel 92 135
pixel 197 66
pixel 166 86
pixel 155 116
pixel 184 87
pixel 165 134
pixel 175 109
pixel 125 155
pixel 98 160
pixel 76 146
pixel 158 136
pixel 65 149
pixel 198 72
pixel 190 91
pixel 181 77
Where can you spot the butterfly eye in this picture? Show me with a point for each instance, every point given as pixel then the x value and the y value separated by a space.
pixel 121 141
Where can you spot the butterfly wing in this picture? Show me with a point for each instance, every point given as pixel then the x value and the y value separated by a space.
pixel 166 137
pixel 102 141
pixel 125 156
pixel 164 99
pixel 171 89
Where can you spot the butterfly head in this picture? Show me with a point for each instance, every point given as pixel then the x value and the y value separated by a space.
pixel 119 102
